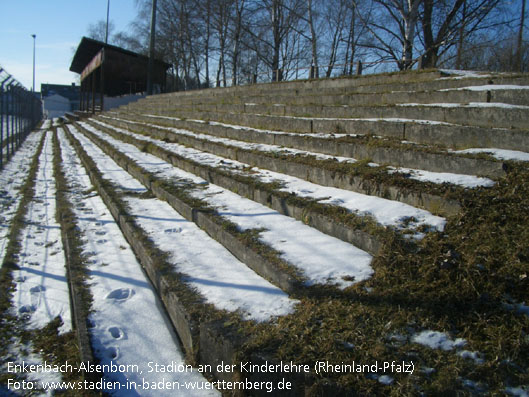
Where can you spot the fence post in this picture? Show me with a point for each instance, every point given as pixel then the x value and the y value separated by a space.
pixel 19 114
pixel 2 125
pixel 359 68
pixel 19 124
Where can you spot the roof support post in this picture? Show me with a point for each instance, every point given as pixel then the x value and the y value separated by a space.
pixel 92 77
pixel 102 81
pixel 151 49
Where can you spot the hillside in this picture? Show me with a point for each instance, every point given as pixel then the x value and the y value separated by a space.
pixel 364 235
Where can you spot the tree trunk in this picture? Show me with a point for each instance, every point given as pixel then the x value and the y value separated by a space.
pixel 276 30
pixel 314 42
pixel 410 17
pixel 518 64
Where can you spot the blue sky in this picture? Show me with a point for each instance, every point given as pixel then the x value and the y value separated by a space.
pixel 59 26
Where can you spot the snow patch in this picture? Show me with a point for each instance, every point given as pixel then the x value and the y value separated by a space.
pixel 500 154
pixel 437 340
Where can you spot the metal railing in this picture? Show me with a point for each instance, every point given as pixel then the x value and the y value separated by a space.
pixel 20 112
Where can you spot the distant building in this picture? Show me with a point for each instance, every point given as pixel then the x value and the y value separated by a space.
pixel 58 99
pixel 112 76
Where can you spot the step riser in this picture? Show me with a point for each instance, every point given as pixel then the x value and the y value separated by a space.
pixel 328 98
pixel 313 90
pixel 396 157
pixel 457 137
pixel 360 239
pixel 490 117
pixel 325 177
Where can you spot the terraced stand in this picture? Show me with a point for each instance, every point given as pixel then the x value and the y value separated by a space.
pixel 316 191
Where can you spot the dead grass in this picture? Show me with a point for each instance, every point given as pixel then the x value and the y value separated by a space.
pixel 457 282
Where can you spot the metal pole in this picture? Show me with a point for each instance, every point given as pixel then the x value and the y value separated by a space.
pixel 108 13
pixel 34 37
pixel 151 49
pixel 12 114
pixel 1 125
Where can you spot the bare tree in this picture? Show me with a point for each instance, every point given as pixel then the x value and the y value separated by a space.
pixel 520 38
pixel 236 31
pixel 392 25
pixel 447 23
pixel 313 41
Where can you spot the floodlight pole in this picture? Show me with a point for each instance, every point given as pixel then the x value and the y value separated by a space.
pixel 108 13
pixel 151 49
pixel 34 37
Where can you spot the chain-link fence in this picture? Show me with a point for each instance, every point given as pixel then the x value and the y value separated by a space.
pixel 20 111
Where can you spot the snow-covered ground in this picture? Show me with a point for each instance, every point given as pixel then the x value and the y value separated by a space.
pixel 41 291
pixel 12 177
pixel 320 257
pixel 41 284
pixel 216 274
pixel 128 325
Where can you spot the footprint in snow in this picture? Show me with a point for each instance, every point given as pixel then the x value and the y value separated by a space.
pixel 101 232
pixel 102 241
pixel 121 294
pixel 27 309
pixel 112 352
pixel 173 230
pixel 116 332
pixel 37 289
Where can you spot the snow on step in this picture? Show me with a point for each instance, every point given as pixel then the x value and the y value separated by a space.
pixel 240 144
pixel 469 181
pixel 128 325
pixel 12 177
pixel 493 105
pixel 322 258
pixel 488 87
pixel 218 276
pixel 107 166
pixel 500 154
pixel 41 285
pixel 386 212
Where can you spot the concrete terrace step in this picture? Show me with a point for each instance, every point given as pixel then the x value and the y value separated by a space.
pixel 419 131
pixel 513 94
pixel 358 230
pixel 414 129
pixel 489 115
pixel 365 180
pixel 345 87
pixel 376 150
